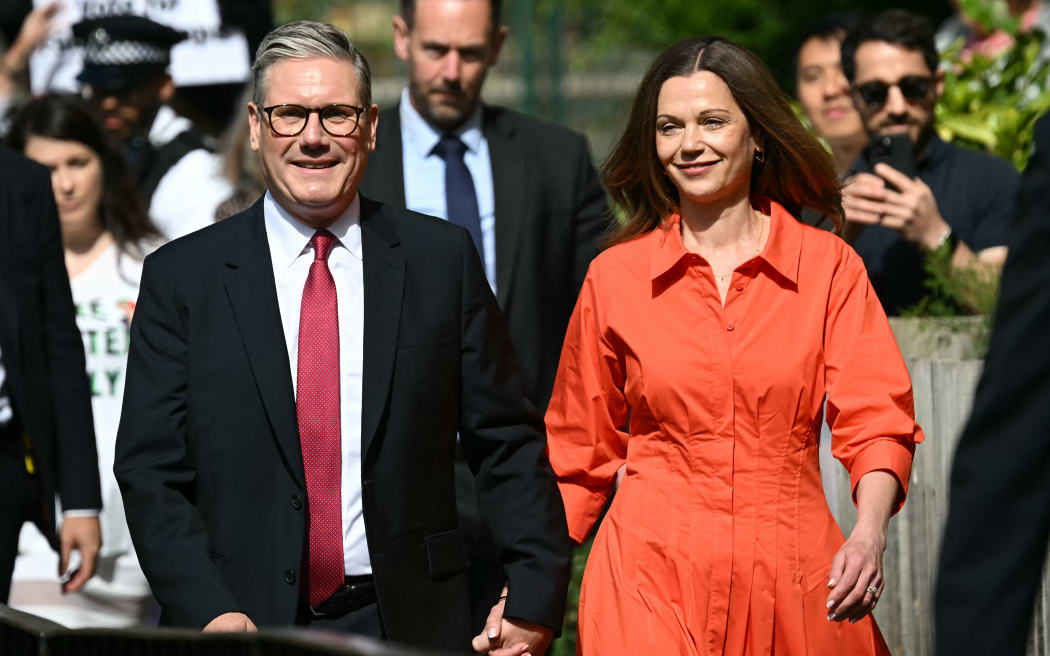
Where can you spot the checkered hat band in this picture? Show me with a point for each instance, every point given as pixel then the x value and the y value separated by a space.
pixel 122 53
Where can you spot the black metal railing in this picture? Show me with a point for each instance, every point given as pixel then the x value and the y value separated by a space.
pixel 22 634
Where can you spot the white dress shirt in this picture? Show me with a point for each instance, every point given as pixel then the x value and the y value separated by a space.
pixel 424 173
pixel 291 254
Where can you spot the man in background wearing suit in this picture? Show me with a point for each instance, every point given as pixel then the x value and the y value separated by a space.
pixel 999 513
pixel 297 377
pixel 47 438
pixel 525 190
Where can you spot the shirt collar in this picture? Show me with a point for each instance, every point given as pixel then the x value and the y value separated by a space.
pixel 421 137
pixel 289 237
pixel 782 250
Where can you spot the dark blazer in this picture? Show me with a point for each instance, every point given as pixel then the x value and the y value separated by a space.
pixel 999 513
pixel 551 213
pixel 42 351
pixel 208 455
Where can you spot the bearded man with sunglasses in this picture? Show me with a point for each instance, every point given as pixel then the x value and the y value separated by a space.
pixel 958 199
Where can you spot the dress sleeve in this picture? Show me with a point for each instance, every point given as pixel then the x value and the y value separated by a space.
pixel 587 416
pixel 871 410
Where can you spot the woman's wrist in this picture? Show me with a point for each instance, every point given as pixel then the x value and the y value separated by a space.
pixel 872 529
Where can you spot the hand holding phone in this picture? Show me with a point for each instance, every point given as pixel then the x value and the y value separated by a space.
pixel 895 150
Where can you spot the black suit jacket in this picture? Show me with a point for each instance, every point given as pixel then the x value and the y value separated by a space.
pixel 208 455
pixel 551 213
pixel 43 356
pixel 999 514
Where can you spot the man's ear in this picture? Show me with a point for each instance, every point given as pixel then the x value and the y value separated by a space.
pixel 373 125
pixel 254 126
pixel 402 38
pixel 938 85
pixel 497 44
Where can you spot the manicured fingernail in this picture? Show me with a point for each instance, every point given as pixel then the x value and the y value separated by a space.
pixel 492 633
pixel 831 602
pixel 831 617
pixel 854 620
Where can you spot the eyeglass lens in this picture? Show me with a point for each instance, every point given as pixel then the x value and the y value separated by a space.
pixel 337 120
pixel 914 88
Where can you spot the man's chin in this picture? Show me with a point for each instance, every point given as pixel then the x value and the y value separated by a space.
pixel 446 117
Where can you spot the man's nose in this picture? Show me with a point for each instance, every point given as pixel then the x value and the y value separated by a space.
pixel 895 102
pixel 313 133
pixel 108 103
pixel 450 66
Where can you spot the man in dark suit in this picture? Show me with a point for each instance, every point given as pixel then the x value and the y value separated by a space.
pixel 999 513
pixel 296 380
pixel 47 440
pixel 526 190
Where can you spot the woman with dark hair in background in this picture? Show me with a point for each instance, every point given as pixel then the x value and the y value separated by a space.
pixel 699 355
pixel 105 233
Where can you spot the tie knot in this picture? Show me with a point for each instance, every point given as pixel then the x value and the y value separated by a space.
pixel 450 148
pixel 322 241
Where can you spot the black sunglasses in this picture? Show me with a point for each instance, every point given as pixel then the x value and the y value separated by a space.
pixel 914 88
pixel 290 120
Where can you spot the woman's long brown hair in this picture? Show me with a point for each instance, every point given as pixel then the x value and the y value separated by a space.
pixel 797 173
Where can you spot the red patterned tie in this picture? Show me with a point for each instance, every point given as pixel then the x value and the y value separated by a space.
pixel 317 408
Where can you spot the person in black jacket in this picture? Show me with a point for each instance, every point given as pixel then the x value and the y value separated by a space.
pixel 525 189
pixel 297 379
pixel 999 501
pixel 47 441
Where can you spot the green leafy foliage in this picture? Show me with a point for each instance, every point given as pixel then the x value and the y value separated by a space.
pixel 992 103
pixel 772 30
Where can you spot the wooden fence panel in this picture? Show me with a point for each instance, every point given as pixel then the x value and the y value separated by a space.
pixel 944 392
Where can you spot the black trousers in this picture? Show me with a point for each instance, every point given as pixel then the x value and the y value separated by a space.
pixel 19 490
pixel 364 621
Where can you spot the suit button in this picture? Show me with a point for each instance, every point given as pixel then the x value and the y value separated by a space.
pixel 368 482
pixel 297 502
pixel 289 576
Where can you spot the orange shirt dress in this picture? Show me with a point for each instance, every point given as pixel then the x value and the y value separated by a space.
pixel 719 539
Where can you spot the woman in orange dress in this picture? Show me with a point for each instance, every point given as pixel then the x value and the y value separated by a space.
pixel 698 357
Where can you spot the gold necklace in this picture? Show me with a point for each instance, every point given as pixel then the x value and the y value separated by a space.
pixel 722 277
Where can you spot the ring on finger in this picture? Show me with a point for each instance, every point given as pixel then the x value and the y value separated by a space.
pixel 873 591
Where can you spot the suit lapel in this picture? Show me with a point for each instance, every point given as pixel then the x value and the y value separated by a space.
pixel 384 278
pixel 250 286
pixel 508 183
pixel 384 177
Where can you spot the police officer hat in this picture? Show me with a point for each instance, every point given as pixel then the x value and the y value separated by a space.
pixel 120 52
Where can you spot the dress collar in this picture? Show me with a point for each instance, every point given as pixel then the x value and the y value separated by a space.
pixel 782 250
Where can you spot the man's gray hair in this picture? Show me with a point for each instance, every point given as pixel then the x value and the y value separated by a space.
pixel 304 39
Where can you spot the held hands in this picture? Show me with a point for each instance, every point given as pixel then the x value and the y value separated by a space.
pixel 229 623
pixel 516 637
pixel 912 210
pixel 84 535
pixel 855 571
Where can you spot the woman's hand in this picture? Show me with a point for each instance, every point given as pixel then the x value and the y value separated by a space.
pixel 856 570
